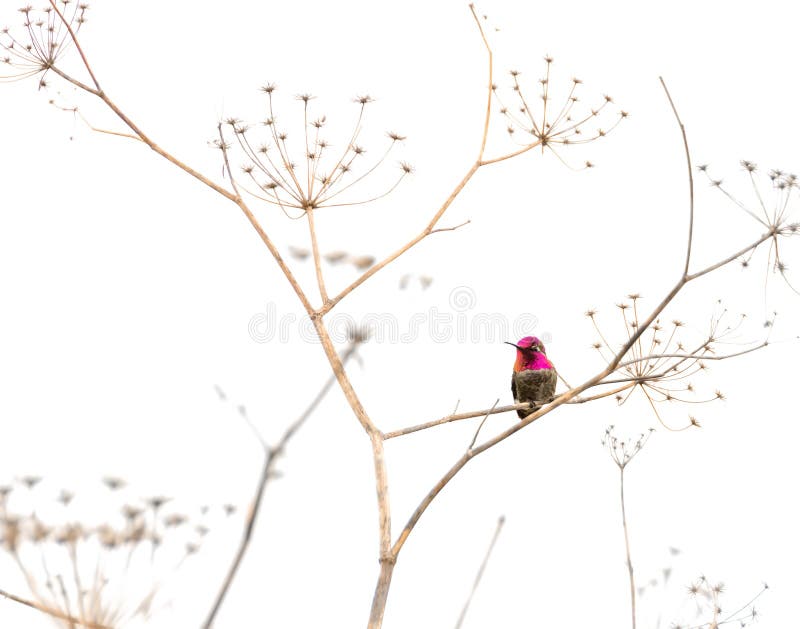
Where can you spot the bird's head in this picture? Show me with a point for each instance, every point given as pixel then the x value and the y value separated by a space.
pixel 528 344
pixel 530 354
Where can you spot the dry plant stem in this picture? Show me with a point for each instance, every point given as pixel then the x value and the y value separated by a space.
pixel 376 438
pixel 386 558
pixel 690 356
pixel 627 383
pixel 312 231
pixel 500 521
pixel 271 454
pixel 483 421
pixel 235 197
pixel 430 227
pixel 691 175
pixel 456 417
pixel 627 545
pixel 52 612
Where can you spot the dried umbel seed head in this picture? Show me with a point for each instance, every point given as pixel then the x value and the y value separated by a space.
pixel 323 177
pixel 652 359
pixel 42 40
pixel 549 121
pixel 773 204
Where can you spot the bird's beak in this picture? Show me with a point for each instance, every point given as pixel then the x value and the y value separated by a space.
pixel 513 345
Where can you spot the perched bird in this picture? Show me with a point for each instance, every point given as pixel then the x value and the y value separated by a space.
pixel 534 377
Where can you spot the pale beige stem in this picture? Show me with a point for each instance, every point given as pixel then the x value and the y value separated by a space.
pixel 429 228
pixel 386 557
pixel 522 406
pixel 312 231
pixel 271 455
pixel 627 545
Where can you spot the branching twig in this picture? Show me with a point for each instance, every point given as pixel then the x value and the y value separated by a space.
pixel 483 421
pixel 271 455
pixel 523 406
pixel 623 452
pixel 430 227
pixel 691 175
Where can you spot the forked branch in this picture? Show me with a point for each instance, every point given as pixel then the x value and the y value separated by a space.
pixel 271 455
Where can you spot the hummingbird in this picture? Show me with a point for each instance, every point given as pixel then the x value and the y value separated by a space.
pixel 534 377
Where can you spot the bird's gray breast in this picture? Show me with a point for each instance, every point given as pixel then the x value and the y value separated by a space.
pixel 535 384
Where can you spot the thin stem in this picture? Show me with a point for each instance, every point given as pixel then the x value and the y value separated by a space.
pixel 523 406
pixel 423 234
pixel 627 544
pixel 238 200
pixel 443 208
pixel 693 276
pixel 502 158
pixel 691 176
pixel 583 400
pixel 74 39
pixel 688 356
pixel 483 421
pixel 312 231
pixel 271 454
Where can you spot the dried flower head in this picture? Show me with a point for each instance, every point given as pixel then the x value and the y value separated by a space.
pixel 542 122
pixel 657 363
pixel 773 205
pixel 42 41
pixel 623 451
pixel 323 177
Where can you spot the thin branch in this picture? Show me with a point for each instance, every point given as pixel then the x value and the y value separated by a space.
pixel 693 276
pixel 689 356
pixel 691 176
pixel 583 400
pixel 732 615
pixel 450 229
pixel 312 231
pixel 236 198
pixel 627 544
pixel 52 612
pixel 483 421
pixel 523 406
pixel 447 203
pixel 503 158
pixel 271 455
pixel 564 380
pixel 500 521
pixel 74 39
pixel 414 241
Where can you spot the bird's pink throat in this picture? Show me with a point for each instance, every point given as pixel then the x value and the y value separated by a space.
pixel 533 360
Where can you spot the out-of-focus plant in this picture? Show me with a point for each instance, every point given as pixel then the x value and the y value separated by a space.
pixel 102 561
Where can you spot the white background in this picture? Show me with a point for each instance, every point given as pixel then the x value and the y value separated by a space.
pixel 127 290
